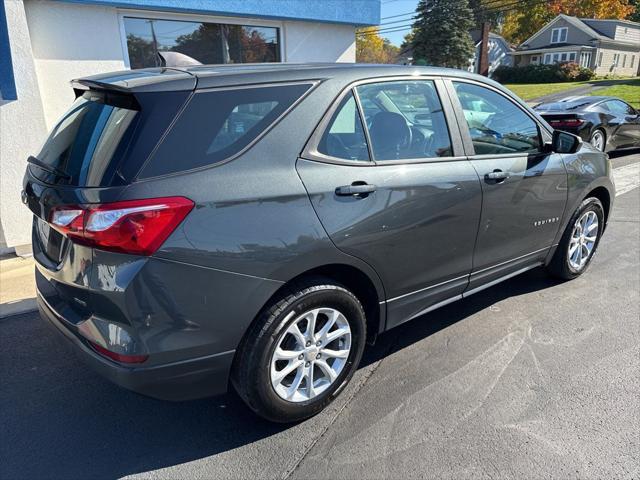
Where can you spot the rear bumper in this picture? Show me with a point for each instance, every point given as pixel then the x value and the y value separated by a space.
pixel 184 380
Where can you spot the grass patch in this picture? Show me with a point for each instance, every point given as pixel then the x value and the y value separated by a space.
pixel 629 91
pixel 529 91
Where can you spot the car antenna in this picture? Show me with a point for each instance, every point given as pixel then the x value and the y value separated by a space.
pixel 163 61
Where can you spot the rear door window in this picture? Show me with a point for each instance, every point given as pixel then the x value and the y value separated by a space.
pixel 218 124
pixel 88 137
pixel 405 120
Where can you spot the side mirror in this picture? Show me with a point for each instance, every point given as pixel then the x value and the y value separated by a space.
pixel 565 142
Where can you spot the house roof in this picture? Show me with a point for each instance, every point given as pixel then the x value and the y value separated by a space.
pixel 612 20
pixel 582 24
pixel 476 36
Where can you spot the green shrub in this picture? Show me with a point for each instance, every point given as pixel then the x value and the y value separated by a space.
pixel 559 72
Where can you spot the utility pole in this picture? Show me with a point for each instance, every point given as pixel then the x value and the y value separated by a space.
pixel 483 67
pixel 153 36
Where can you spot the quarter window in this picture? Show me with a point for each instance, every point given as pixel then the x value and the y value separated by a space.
pixel 218 124
pixel 205 43
pixel 405 120
pixel 496 125
pixel 619 107
pixel 344 137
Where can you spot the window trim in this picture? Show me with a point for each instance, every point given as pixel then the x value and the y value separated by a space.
pixel 313 82
pixel 188 17
pixel 310 150
pixel 560 30
pixel 568 53
pixel 543 132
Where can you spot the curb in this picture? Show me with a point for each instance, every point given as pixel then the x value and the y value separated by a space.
pixel 18 307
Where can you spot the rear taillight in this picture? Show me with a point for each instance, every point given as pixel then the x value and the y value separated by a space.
pixel 566 122
pixel 137 227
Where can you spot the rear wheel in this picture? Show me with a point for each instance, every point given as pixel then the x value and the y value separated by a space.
pixel 301 351
pixel 579 241
pixel 598 139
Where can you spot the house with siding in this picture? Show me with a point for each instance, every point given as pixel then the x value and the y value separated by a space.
pixel 606 46
pixel 499 52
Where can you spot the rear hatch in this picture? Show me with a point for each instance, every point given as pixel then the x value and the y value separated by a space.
pixel 563 121
pixel 90 157
pixel 565 114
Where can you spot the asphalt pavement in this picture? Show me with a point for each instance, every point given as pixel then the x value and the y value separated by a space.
pixel 532 378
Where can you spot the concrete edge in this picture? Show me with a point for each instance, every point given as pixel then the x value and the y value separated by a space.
pixel 16 308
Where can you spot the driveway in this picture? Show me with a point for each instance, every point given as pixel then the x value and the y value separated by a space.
pixel 532 378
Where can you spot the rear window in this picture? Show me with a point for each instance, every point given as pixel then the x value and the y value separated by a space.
pixel 88 137
pixel 218 124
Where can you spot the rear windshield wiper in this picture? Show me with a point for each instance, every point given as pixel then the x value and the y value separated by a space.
pixel 48 168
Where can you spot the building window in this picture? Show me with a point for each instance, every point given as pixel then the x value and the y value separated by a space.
pixel 600 59
pixel 559 57
pixel 633 60
pixel 624 60
pixel 585 59
pixel 207 43
pixel 616 58
pixel 559 35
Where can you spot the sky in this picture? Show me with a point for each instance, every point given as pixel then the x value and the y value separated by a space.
pixel 396 7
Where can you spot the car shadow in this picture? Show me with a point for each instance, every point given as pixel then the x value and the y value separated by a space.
pixel 60 420
pixel 422 327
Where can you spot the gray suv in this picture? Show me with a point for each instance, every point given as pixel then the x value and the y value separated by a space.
pixel 256 225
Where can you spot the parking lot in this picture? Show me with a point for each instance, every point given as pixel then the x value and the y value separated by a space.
pixel 532 378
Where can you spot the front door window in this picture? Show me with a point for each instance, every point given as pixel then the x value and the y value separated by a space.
pixel 496 125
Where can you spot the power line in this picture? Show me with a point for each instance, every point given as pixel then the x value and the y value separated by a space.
pixel 496 8
pixel 395 29
pixel 378 30
pixel 398 21
pixel 399 15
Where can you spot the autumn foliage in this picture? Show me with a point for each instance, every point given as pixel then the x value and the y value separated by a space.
pixel 532 15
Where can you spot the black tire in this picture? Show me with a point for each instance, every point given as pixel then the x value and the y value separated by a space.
pixel 251 376
pixel 559 266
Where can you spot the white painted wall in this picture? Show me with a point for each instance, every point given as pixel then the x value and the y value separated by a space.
pixel 22 130
pixel 71 41
pixel 319 42
pixel 54 42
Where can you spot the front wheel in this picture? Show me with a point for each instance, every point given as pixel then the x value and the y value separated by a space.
pixel 579 241
pixel 301 351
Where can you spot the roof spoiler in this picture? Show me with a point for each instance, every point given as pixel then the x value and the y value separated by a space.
pixel 106 93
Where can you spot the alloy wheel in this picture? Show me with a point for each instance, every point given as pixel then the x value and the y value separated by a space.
pixel 583 240
pixel 310 354
pixel 597 140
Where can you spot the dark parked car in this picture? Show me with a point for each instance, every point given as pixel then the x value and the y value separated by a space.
pixel 257 225
pixel 607 123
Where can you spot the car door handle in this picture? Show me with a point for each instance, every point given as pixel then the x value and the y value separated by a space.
pixel 355 189
pixel 497 175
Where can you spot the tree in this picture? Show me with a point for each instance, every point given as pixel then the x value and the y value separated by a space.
pixel 441 33
pixel 635 14
pixel 531 15
pixel 488 11
pixel 142 53
pixel 372 48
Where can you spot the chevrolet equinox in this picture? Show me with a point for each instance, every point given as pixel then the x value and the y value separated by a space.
pixel 254 226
